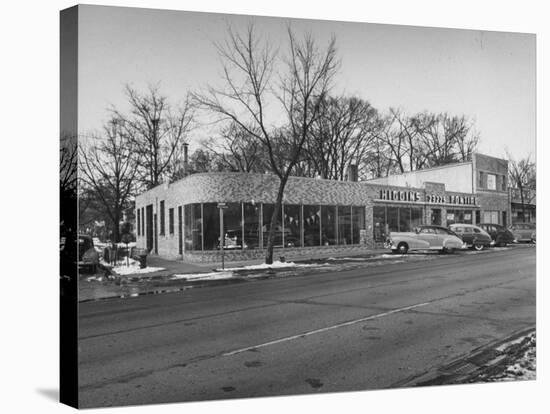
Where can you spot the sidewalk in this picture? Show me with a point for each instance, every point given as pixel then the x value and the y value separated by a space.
pixel 177 275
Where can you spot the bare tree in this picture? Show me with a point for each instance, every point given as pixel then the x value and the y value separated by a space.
pixel 248 64
pixel 157 131
pixel 108 171
pixel 523 178
pixel 342 134
pixel 426 140
pixel 236 149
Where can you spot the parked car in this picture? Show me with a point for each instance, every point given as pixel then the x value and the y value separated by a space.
pixel 88 257
pixel 472 236
pixel 523 232
pixel 424 238
pixel 501 235
pixel 534 237
pixel 233 240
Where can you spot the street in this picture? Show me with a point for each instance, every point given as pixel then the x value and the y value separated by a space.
pixel 358 329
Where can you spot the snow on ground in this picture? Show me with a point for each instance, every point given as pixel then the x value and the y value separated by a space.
pixel 204 276
pixel 524 366
pixel 133 268
pixel 276 265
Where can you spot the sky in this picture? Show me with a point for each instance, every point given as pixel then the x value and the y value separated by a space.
pixel 487 76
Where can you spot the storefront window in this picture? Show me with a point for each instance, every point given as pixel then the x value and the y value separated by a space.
pixel 192 223
pixel 232 223
pixel 459 216
pixel 293 225
pixel 491 217
pixel 328 225
pixel 436 217
pixel 267 212
pixel 358 223
pixel 416 218
pixel 405 219
pixel 312 221
pixel 379 223
pixel 344 225
pixel 252 234
pixel 392 217
pixel 211 225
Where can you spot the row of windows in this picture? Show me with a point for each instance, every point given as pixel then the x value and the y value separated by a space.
pixel 490 181
pixel 387 219
pixel 246 225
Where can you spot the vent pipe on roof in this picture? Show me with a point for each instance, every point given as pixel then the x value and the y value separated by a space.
pixel 185 158
pixel 352 172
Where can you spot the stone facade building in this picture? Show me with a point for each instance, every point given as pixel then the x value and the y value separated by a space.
pixel 182 219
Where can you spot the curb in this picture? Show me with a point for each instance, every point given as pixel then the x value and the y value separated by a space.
pixel 462 369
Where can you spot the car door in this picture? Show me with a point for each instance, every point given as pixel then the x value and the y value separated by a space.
pixel 439 238
pixel 426 237
pixel 467 235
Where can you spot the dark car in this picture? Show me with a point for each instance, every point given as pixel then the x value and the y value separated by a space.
pixel 501 235
pixel 523 232
pixel 473 236
pixel 88 257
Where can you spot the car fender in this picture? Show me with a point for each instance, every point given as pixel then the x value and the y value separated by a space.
pixel 452 243
pixel 412 241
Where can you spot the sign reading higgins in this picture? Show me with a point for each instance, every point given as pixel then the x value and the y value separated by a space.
pixel 414 196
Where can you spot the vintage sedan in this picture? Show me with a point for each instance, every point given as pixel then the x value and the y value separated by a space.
pixel 88 257
pixel 501 235
pixel 472 236
pixel 523 232
pixel 424 238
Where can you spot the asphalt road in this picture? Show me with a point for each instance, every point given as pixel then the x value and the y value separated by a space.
pixel 365 328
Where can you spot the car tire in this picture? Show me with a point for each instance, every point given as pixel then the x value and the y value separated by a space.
pixel 402 248
pixel 478 247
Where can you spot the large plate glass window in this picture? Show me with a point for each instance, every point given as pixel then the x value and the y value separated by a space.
pixel 211 225
pixel 232 223
pixel 312 225
pixel 379 223
pixel 252 229
pixel 193 227
pixel 358 223
pixel 328 225
pixel 344 224
pixel 293 225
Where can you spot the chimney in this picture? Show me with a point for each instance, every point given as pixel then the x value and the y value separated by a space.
pixel 352 172
pixel 185 158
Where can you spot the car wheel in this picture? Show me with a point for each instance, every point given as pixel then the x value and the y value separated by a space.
pixel 478 247
pixel 402 248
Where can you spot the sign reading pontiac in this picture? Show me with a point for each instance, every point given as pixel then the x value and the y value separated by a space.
pixel 414 196
pixel 451 199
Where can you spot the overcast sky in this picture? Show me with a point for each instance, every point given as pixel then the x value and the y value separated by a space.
pixel 487 76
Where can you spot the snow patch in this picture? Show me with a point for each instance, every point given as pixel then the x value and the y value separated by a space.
pixel 275 265
pixel 203 276
pixel 133 268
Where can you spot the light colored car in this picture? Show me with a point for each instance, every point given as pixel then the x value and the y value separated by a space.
pixel 473 236
pixel 424 238
pixel 523 232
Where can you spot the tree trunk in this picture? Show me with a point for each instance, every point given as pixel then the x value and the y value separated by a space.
pixel 522 203
pixel 116 230
pixel 274 217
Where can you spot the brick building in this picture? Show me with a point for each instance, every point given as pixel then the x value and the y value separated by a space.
pixel 182 219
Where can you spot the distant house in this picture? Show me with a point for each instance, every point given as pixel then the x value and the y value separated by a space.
pixel 526 212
